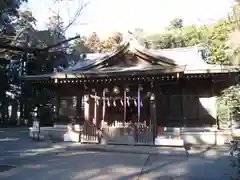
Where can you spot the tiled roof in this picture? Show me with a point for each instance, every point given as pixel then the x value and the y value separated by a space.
pixel 187 60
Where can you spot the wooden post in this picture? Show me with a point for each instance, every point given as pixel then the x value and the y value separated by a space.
pixel 57 106
pixel 95 108
pixel 99 110
pixel 103 105
pixel 215 115
pixel 139 103
pixel 182 104
pixel 58 99
pixel 153 115
pixel 197 97
pixel 124 106
pixel 79 108
pixel 86 107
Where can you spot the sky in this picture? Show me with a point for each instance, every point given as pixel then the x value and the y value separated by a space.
pixel 107 16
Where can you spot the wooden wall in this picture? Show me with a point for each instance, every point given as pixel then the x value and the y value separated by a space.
pixel 186 103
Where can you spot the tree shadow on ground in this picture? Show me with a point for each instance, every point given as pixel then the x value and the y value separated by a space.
pixel 120 166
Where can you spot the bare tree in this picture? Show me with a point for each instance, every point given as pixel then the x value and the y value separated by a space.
pixel 71 18
pixel 12 46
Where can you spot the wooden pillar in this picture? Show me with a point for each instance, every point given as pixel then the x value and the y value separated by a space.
pixel 103 104
pixel 153 115
pixel 57 106
pixel 197 99
pixel 99 109
pixel 153 111
pixel 124 106
pixel 79 107
pixel 139 103
pixel 86 107
pixel 95 108
pixel 182 103
pixel 214 101
pixel 91 103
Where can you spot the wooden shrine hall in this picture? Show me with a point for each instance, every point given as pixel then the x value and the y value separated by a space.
pixel 133 91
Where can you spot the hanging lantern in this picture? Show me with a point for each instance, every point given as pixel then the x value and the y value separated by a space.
pixel 152 97
pixel 116 90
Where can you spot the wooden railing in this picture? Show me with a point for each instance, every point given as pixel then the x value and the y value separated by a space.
pixel 89 133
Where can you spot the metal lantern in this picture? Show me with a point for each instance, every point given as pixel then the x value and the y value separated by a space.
pixel 116 90
pixel 152 97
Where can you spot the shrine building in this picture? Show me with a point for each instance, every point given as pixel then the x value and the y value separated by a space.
pixel 135 91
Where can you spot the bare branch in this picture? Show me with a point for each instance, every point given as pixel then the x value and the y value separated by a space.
pixel 53 12
pixel 17 48
pixel 60 43
pixel 77 14
pixel 34 50
pixel 19 34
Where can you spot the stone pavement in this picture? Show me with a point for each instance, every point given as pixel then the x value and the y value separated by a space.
pixel 22 158
pixel 151 150
pixel 121 148
pixel 88 165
